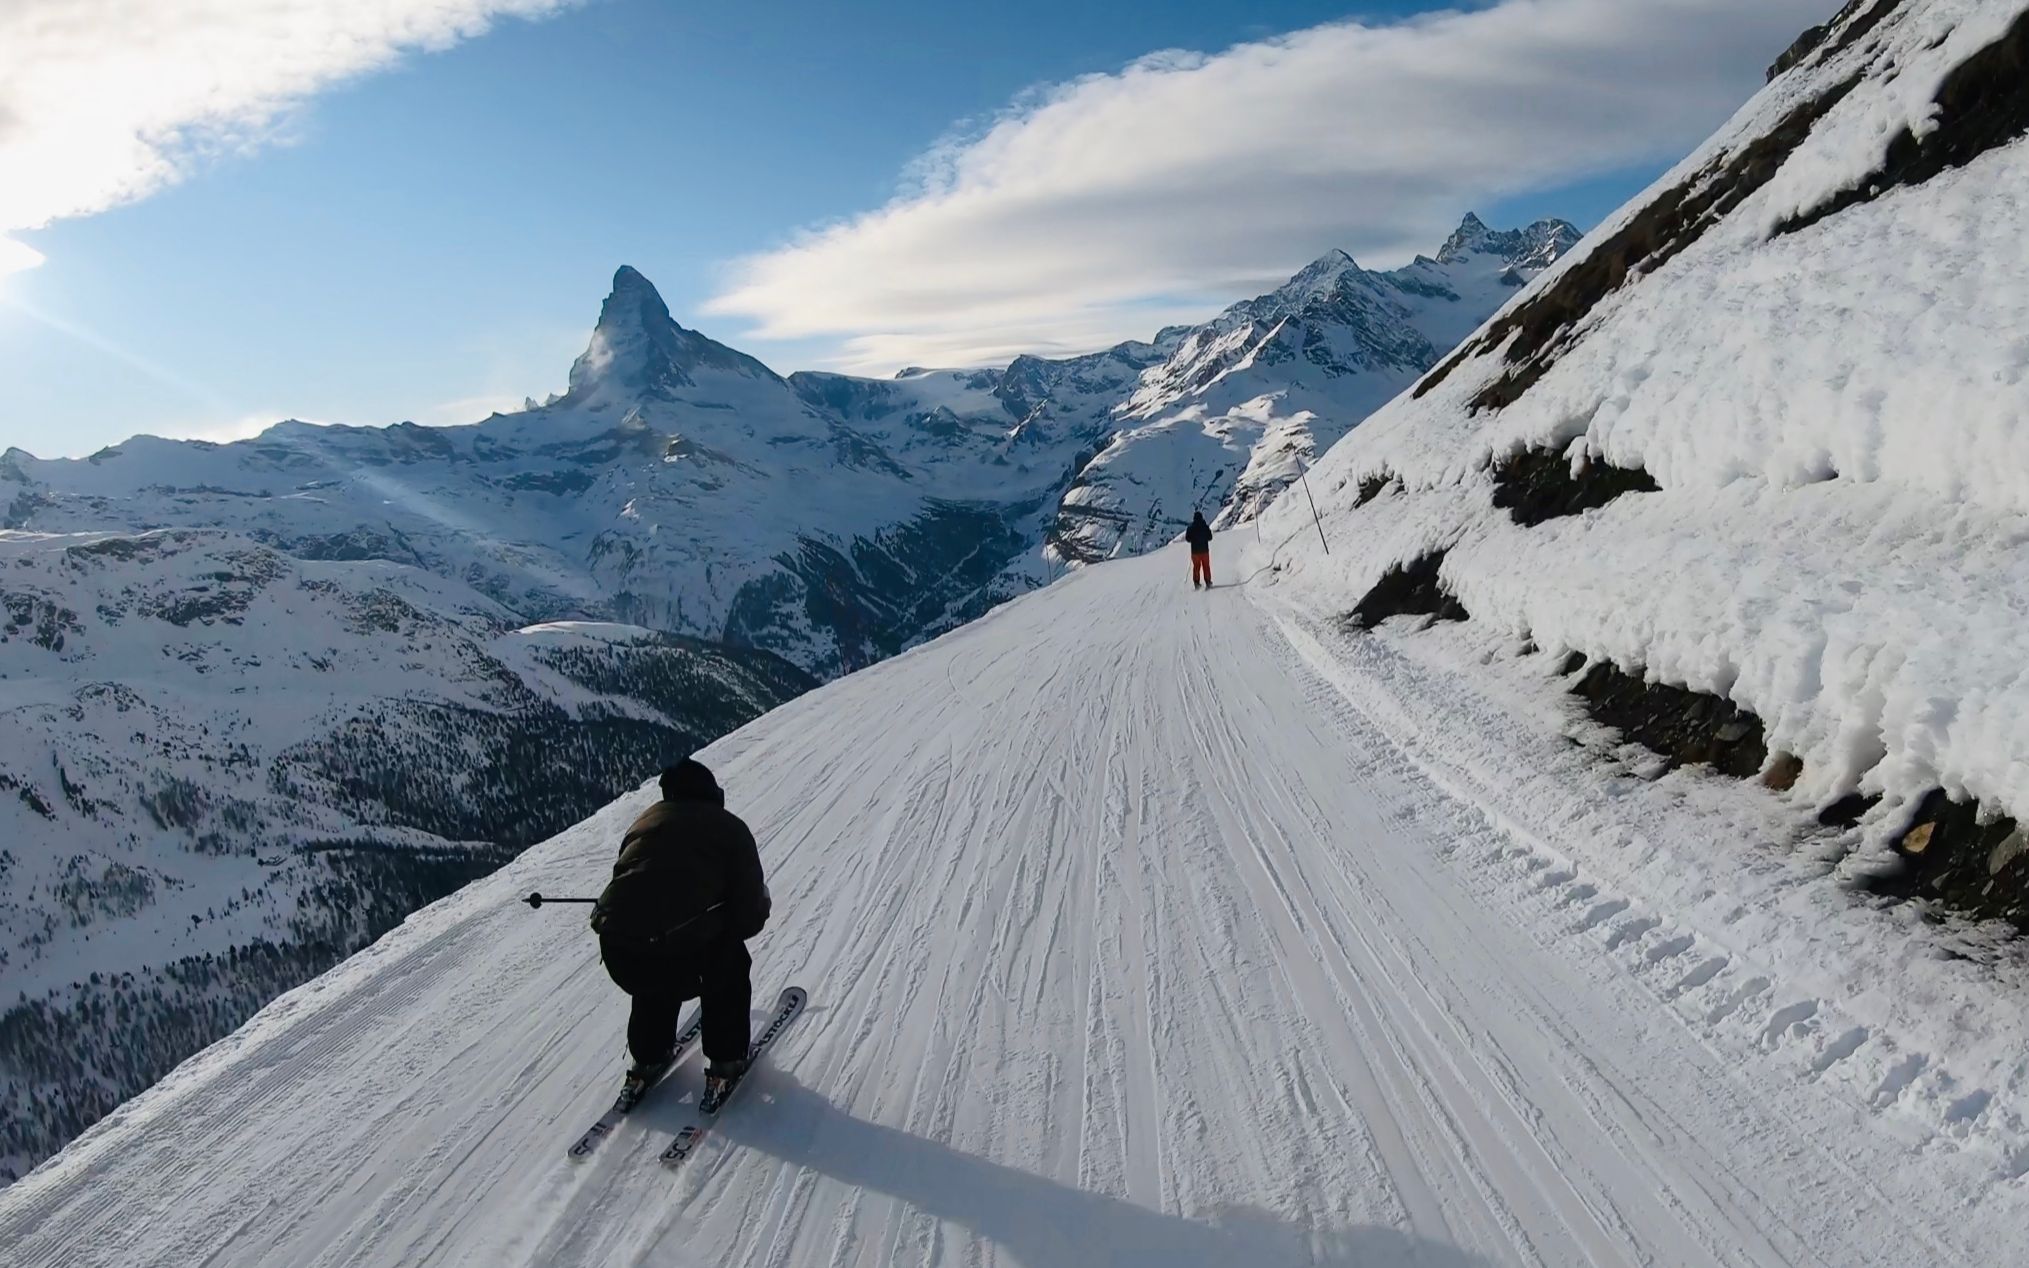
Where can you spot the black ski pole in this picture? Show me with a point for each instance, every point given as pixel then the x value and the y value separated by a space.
pixel 537 900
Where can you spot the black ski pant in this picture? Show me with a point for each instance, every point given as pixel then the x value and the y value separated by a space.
pixel 719 980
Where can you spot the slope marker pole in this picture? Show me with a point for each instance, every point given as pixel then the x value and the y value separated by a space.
pixel 1304 471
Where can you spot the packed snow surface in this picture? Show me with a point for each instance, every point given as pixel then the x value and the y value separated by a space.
pixel 1141 926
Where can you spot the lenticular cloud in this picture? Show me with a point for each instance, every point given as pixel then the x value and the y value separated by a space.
pixel 1191 179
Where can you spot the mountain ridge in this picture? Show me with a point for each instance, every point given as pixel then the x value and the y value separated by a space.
pixel 856 485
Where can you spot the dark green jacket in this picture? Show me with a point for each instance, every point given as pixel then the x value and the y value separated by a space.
pixel 688 875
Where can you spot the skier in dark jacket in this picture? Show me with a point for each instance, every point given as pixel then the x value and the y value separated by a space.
pixel 686 894
pixel 1199 535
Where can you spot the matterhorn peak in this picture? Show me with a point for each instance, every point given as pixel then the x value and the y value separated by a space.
pixel 638 349
pixel 627 278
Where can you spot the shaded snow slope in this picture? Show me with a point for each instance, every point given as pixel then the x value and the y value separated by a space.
pixel 222 769
pixel 1139 930
pixel 1810 335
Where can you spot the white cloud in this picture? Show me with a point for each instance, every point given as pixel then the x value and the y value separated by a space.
pixel 224 430
pixel 471 409
pixel 1186 179
pixel 465 409
pixel 106 101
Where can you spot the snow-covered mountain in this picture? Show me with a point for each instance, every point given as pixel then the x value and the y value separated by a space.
pixel 1754 457
pixel 678 485
pixel 224 768
pixel 1385 906
pixel 350 651
pixel 682 485
pixel 1222 424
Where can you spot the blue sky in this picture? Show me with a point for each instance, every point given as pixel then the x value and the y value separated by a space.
pixel 431 239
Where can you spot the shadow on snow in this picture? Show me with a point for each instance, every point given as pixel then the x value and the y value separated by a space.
pixel 1038 1221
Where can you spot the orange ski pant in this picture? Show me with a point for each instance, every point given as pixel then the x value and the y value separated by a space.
pixel 1201 567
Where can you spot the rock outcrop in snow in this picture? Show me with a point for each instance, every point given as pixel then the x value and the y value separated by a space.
pixel 1782 392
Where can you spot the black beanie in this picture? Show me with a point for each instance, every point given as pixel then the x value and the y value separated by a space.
pixel 689 780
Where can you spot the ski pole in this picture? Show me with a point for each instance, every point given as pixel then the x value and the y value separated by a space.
pixel 537 900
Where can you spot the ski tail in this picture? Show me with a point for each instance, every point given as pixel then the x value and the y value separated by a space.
pixel 788 1007
pixel 686 1039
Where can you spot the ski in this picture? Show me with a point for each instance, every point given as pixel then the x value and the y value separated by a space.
pixel 788 1006
pixel 628 1099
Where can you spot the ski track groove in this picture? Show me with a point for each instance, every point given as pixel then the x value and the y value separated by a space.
pixel 1140 926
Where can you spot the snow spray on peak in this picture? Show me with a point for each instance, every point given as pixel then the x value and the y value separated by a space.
pixel 638 350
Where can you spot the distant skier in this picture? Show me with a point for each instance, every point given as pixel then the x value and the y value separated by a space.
pixel 687 892
pixel 1199 535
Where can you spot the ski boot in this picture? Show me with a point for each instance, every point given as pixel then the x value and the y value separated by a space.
pixel 720 1077
pixel 643 1075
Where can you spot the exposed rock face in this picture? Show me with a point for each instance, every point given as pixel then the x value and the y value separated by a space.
pixel 1685 727
pixel 1537 485
pixel 1853 21
pixel 1982 104
pixel 1956 853
pixel 1412 589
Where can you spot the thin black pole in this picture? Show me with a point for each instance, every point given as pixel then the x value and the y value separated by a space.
pixel 537 900
pixel 1315 517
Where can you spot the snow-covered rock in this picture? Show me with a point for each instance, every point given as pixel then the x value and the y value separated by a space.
pixel 1810 336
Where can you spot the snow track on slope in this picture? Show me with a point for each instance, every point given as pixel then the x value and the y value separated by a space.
pixel 1131 939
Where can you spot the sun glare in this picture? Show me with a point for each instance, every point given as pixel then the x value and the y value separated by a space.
pixel 16 257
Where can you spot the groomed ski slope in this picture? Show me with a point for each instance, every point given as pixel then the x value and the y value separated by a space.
pixel 1129 941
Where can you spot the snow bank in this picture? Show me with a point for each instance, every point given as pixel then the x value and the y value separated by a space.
pixel 1834 414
